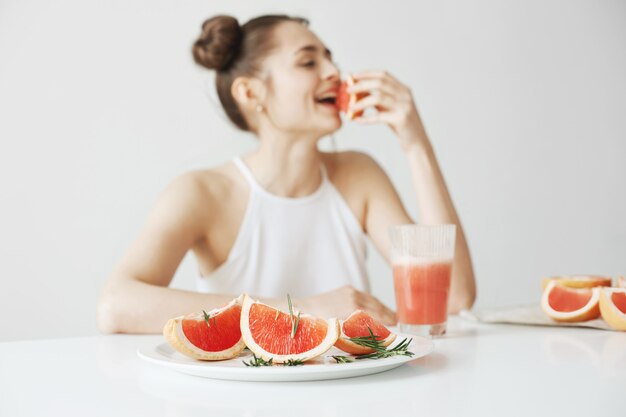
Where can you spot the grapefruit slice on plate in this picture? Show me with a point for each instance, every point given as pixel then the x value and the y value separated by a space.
pixel 211 336
pixel 578 281
pixel 358 324
pixel 613 307
pixel 567 304
pixel 269 333
pixel 345 99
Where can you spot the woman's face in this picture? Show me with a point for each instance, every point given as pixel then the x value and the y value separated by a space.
pixel 301 75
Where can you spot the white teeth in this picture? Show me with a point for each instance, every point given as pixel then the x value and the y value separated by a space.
pixel 332 95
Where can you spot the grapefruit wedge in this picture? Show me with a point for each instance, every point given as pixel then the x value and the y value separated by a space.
pixel 269 333
pixel 567 304
pixel 613 307
pixel 210 336
pixel 345 99
pixel 578 281
pixel 358 324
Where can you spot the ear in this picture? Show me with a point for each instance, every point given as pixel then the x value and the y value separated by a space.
pixel 248 92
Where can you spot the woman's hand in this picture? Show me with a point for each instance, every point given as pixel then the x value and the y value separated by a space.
pixel 394 104
pixel 342 302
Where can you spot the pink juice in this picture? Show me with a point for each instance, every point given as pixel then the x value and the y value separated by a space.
pixel 421 290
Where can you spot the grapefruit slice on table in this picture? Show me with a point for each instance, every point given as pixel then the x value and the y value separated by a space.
pixel 346 99
pixel 267 332
pixel 565 304
pixel 357 325
pixel 578 281
pixel 613 307
pixel 213 335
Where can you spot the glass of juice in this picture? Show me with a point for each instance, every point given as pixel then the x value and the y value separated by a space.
pixel 421 257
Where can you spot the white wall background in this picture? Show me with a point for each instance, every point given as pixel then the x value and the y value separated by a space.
pixel 101 106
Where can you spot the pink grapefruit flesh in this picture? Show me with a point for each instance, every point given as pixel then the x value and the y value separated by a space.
pixel 212 335
pixel 358 324
pixel 268 333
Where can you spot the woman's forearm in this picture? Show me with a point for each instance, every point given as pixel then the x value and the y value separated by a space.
pixel 132 306
pixel 436 207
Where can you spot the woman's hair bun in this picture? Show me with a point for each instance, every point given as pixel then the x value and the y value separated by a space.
pixel 219 43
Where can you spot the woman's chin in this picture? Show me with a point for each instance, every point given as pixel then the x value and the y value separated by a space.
pixel 330 125
pixel 318 127
pixel 329 131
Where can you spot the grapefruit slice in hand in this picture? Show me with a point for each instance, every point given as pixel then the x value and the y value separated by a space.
pixel 211 336
pixel 268 333
pixel 346 100
pixel 358 324
pixel 578 281
pixel 613 307
pixel 567 304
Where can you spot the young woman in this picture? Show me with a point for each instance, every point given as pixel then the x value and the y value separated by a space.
pixel 286 218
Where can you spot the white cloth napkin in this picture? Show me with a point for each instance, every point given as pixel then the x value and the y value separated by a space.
pixel 525 314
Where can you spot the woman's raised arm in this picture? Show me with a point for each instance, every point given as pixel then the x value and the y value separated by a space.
pixel 396 108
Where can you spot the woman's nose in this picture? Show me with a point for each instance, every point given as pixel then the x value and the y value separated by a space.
pixel 331 71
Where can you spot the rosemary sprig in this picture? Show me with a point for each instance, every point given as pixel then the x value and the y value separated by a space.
pixel 256 362
pixel 341 359
pixel 207 317
pixel 372 341
pixel 293 362
pixel 398 350
pixel 295 326
pixel 294 320
pixel 381 351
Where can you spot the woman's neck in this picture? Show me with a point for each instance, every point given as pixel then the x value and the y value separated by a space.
pixel 287 167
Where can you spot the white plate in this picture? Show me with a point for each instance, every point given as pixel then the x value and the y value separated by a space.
pixel 322 367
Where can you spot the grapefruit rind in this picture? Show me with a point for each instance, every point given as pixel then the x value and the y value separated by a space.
pixel 578 281
pixel 328 342
pixel 610 313
pixel 352 99
pixel 344 343
pixel 173 333
pixel 589 311
pixel 621 282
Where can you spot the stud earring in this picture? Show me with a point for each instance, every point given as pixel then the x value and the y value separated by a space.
pixel 259 108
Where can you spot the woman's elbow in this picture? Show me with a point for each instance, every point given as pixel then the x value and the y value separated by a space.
pixel 108 314
pixel 460 302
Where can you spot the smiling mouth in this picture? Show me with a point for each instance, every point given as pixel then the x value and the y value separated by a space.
pixel 327 100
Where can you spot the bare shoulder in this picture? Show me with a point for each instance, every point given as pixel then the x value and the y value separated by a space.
pixel 204 184
pixel 358 178
pixel 199 193
pixel 368 190
pixel 350 167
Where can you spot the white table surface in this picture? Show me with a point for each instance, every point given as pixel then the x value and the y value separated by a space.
pixel 476 370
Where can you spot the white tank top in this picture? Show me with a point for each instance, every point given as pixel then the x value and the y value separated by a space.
pixel 297 246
